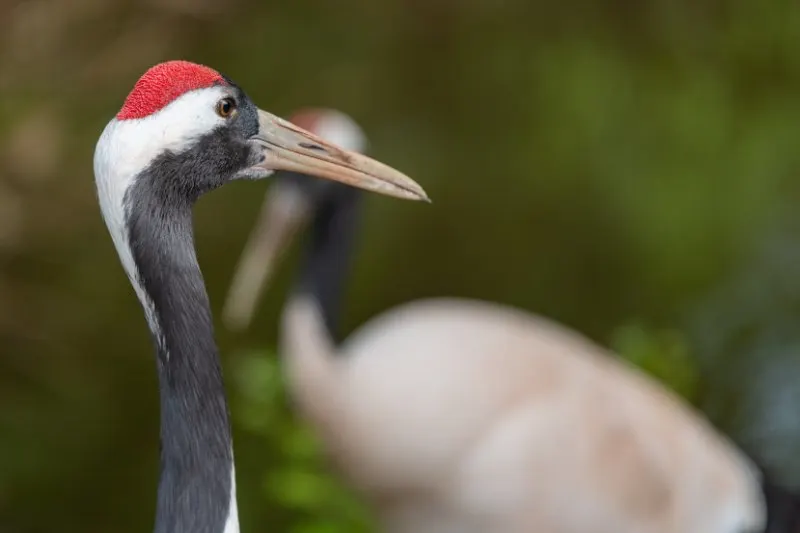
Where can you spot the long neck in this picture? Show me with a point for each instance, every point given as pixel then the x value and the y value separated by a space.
pixel 196 492
pixel 328 255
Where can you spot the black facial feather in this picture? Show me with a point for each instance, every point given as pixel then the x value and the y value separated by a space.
pixel 247 119
pixel 213 160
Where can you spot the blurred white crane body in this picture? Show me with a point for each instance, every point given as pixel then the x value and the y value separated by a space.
pixel 459 415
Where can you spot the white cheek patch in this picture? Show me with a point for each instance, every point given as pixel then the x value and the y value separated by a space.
pixel 127 147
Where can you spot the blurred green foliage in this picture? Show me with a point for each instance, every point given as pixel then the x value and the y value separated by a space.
pixel 604 164
pixel 301 484
pixel 664 355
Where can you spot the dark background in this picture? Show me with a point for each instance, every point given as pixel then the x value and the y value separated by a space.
pixel 629 168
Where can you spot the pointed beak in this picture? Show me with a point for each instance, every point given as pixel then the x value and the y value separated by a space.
pixel 288 147
pixel 284 212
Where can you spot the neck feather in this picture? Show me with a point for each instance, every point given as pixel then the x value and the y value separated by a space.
pixel 197 484
pixel 328 255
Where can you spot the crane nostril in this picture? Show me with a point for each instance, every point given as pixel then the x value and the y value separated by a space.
pixel 311 146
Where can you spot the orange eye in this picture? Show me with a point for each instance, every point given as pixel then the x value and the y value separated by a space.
pixel 226 107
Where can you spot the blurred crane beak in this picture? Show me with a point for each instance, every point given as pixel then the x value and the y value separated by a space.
pixel 284 212
pixel 288 147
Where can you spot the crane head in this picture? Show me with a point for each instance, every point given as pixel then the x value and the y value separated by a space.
pixel 186 129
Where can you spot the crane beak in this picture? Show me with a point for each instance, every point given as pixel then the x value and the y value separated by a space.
pixel 288 147
pixel 284 212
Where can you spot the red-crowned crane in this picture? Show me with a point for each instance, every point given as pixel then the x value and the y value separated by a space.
pixel 452 415
pixel 184 130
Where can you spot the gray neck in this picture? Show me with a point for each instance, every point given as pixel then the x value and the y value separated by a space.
pixel 196 492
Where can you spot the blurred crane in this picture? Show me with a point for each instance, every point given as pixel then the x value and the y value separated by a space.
pixel 456 415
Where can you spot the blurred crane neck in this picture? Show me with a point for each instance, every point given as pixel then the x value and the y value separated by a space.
pixel 328 254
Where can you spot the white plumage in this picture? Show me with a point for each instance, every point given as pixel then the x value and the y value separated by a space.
pixel 459 415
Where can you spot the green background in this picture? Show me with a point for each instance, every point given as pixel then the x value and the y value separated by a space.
pixel 627 168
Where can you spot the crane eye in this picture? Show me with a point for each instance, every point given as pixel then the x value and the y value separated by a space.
pixel 226 107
